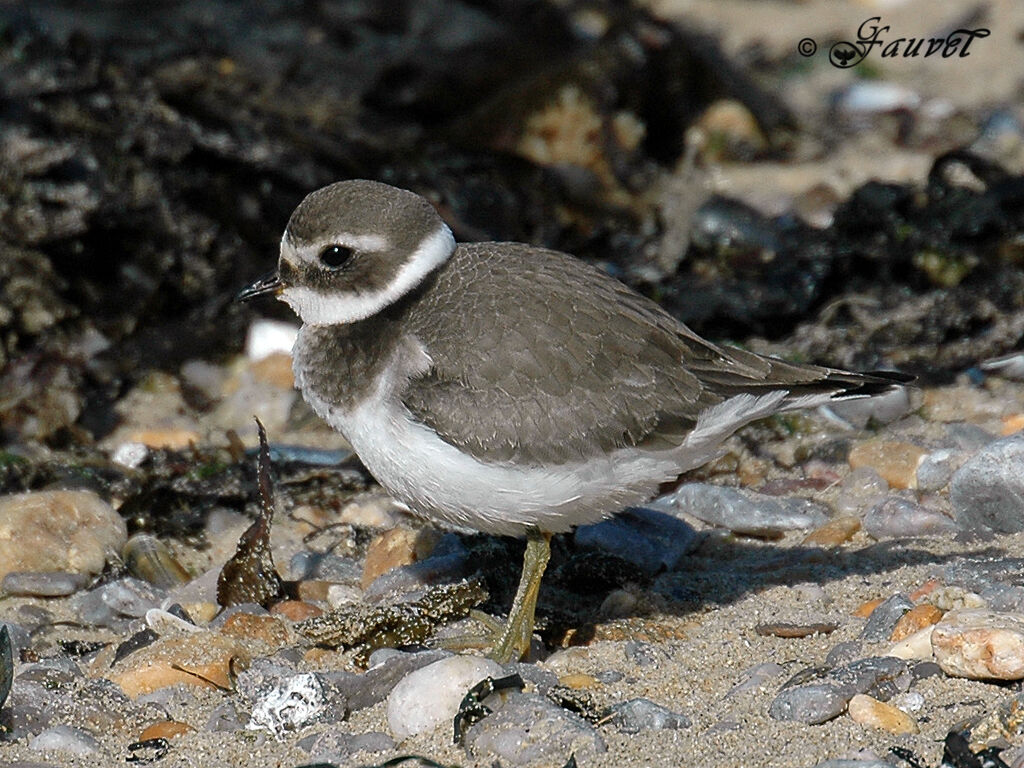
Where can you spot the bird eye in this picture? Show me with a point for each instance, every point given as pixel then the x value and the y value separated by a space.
pixel 334 256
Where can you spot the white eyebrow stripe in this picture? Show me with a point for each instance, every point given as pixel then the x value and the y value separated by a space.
pixel 368 242
pixel 317 308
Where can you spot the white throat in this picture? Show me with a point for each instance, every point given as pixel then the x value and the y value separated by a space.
pixel 316 308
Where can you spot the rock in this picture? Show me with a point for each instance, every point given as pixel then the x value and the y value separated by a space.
pixel 70 531
pixel 868 711
pixel 895 517
pixel 756 677
pixel 430 696
pixel 295 610
pixel 651 540
pixel 833 533
pixel 914 620
pixel 884 617
pixel 64 738
pixel 638 715
pixel 745 512
pixel 42 583
pixel 203 659
pixel 826 695
pixel 165 729
pixel 530 730
pixel 882 409
pixel 292 703
pixel 395 547
pixel 936 469
pixel 980 644
pixel 340 748
pixel 860 490
pixel 113 604
pixel 380 679
pixel 987 492
pixel 261 635
pixel 895 461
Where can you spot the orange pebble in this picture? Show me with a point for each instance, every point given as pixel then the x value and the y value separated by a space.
pixel 924 590
pixel 295 610
pixel 1013 423
pixel 914 620
pixel 865 609
pixel 165 729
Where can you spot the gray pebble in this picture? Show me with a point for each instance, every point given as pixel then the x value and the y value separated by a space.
pixel 882 620
pixel 53 672
pixel 609 676
pixel 882 409
pixel 755 677
pixel 114 604
pixel 969 437
pixel 643 654
pixel 745 512
pixel 224 718
pixel 843 653
pixel 936 469
pixel 64 738
pixel 649 539
pixel 336 747
pixel 42 584
pixel 987 492
pixel 32 706
pixel 328 567
pixel 827 695
pixel 374 685
pixel 841 763
pixel 895 517
pixel 641 714
pixel 860 490
pixel 529 729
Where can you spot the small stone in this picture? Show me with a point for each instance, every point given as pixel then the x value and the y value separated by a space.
pixel 865 609
pixel 860 490
pixel 204 660
pixel 578 681
pixel 64 738
pixel 789 630
pixel 826 694
pixel 113 604
pixel 868 711
pixel 883 619
pixel 530 730
pixel 980 644
pixel 296 701
pixel 895 517
pixel 42 583
pixel 343 594
pixel 881 409
pixel 914 620
pixel 647 538
pixel 430 696
pixel 987 492
pixel 834 533
pixel 1013 423
pixel 268 337
pixel 388 550
pixel 619 604
pixel 71 531
pixel 165 729
pixel 340 748
pixel 745 512
pixel 756 677
pixel 936 469
pixel 295 610
pixel 130 454
pixel 895 461
pixel 171 438
pixel 262 635
pixel 638 715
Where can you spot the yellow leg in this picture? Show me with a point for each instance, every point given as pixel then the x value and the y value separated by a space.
pixel 515 639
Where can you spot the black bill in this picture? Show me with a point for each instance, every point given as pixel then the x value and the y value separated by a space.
pixel 267 284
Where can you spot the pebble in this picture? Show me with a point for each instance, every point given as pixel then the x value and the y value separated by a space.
pixel 113 604
pixel 130 455
pixel 980 644
pixel 292 703
pixel 895 517
pixel 882 409
pixel 914 620
pixel 884 617
pixel 866 710
pixel 834 533
pixel 203 660
pixel 895 461
pixel 339 748
pixel 71 531
pixel 65 738
pixel 42 583
pixel 269 337
pixel 380 679
pixel 987 492
pixel 390 549
pixel 936 469
pixel 746 512
pixel 756 677
pixel 528 729
pixel 647 538
pixel 860 490
pixel 295 610
pixel 826 695
pixel 165 729
pixel 261 635
pixel 641 714
pixel 430 696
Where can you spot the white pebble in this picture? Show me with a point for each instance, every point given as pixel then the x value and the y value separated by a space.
pixel 130 455
pixel 430 696
pixel 266 337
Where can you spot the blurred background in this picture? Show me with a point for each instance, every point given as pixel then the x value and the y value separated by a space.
pixel 709 154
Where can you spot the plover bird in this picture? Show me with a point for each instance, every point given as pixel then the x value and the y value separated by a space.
pixel 507 388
